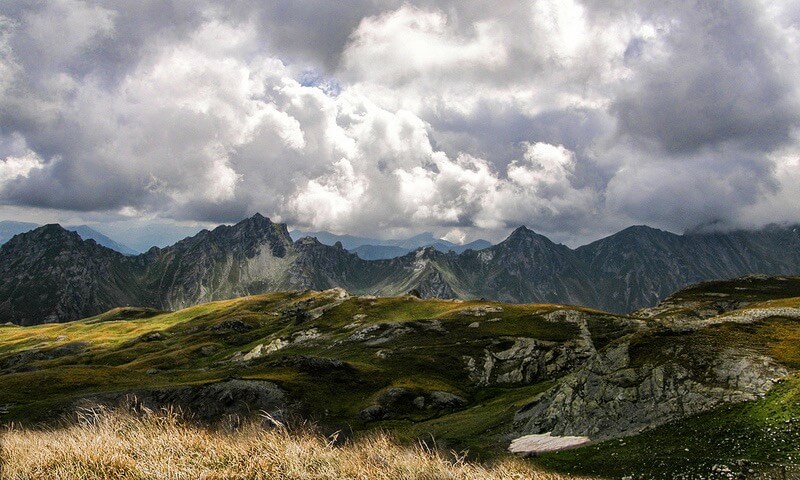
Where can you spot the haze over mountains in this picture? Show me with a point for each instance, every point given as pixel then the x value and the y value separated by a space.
pixel 51 274
pixel 376 249
pixel 365 248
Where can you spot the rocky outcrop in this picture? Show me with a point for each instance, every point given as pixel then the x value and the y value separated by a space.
pixel 399 402
pixel 524 361
pixel 528 360
pixel 25 360
pixel 611 397
pixel 209 402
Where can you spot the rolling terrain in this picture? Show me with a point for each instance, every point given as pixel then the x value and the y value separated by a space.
pixel 714 364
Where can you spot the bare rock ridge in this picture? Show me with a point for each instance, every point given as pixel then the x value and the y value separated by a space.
pixel 51 275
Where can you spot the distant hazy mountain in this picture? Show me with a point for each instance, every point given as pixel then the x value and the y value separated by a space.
pixel 379 252
pixel 376 249
pixel 9 228
pixel 349 242
pixel 50 274
pixel 141 236
pixel 86 232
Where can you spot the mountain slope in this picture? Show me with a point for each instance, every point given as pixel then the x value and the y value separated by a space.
pixel 50 274
pixel 252 256
pixel 640 265
pixel 529 267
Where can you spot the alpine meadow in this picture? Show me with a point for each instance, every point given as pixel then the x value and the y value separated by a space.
pixel 399 239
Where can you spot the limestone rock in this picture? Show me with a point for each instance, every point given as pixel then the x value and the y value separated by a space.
pixel 609 397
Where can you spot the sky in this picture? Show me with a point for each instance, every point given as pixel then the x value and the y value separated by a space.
pixel 386 118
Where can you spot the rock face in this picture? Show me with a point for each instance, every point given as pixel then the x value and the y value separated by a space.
pixel 250 257
pixel 51 275
pixel 525 361
pixel 528 360
pixel 612 397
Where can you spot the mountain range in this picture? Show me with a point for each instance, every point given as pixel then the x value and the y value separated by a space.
pixel 376 249
pixel 51 274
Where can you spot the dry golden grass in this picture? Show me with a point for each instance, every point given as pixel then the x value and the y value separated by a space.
pixel 121 445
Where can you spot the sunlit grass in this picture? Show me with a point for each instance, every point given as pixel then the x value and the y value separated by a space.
pixel 121 445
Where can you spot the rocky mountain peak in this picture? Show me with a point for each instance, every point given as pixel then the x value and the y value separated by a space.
pixel 521 231
pixel 257 222
pixel 307 241
pixel 253 232
pixel 523 237
pixel 47 237
pixel 642 232
pixel 48 232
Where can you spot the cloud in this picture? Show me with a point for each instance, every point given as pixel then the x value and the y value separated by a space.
pixel 330 200
pixel 12 168
pixel 397 47
pixel 467 191
pixel 61 29
pixel 711 75
pixel 387 117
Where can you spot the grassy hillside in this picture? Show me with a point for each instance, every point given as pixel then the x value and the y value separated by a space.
pixel 417 345
pixel 453 372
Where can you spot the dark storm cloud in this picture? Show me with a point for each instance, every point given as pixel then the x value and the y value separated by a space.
pixel 718 75
pixel 306 30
